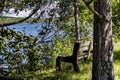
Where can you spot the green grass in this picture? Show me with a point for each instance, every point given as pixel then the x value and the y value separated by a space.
pixel 117 70
pixel 85 73
pixel 117 61
pixel 11 19
pixel 67 72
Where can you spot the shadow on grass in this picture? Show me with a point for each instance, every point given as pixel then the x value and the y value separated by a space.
pixel 59 76
pixel 67 73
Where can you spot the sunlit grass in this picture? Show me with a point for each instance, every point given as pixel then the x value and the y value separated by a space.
pixel 117 70
pixel 117 61
pixel 85 73
pixel 67 72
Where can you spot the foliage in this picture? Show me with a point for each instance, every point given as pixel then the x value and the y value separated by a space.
pixel 116 19
pixel 19 52
pixel 66 23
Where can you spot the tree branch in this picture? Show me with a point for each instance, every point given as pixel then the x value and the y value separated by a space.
pixel 22 20
pixel 87 2
pixel 91 9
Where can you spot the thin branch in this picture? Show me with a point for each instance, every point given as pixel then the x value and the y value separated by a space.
pixel 91 9
pixel 87 2
pixel 22 20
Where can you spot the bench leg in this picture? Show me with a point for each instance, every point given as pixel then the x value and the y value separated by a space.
pixel 68 59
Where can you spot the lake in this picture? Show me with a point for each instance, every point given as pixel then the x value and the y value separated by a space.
pixel 29 28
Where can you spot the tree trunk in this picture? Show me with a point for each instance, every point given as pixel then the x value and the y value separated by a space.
pixel 77 36
pixel 73 58
pixel 76 17
pixel 103 44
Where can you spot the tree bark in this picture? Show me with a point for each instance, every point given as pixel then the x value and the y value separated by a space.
pixel 73 58
pixel 103 44
pixel 76 17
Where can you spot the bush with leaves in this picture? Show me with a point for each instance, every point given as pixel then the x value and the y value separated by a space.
pixel 19 52
pixel 116 19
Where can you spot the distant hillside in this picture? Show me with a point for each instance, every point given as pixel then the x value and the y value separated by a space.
pixel 11 19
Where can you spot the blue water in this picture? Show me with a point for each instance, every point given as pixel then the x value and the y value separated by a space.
pixel 32 29
pixel 28 28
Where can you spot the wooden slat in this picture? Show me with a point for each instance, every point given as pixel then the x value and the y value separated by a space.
pixel 87 52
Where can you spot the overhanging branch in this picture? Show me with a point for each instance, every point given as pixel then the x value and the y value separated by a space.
pixel 91 9
pixel 22 20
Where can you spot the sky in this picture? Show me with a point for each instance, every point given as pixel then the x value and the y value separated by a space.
pixel 11 13
pixel 26 12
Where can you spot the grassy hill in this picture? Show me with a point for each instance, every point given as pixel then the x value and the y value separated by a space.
pixel 11 19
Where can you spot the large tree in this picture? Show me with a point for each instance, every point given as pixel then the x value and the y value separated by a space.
pixel 103 44
pixel 103 47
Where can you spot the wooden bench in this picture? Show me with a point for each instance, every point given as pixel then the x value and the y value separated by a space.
pixel 85 50
pixel 78 48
